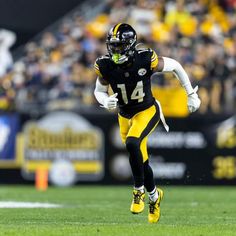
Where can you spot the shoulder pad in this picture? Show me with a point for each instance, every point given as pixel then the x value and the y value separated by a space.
pixel 143 50
pixel 104 57
pixel 101 65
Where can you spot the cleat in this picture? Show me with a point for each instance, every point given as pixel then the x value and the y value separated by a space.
pixel 154 208
pixel 137 205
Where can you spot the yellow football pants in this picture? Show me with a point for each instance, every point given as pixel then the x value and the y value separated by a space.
pixel 140 126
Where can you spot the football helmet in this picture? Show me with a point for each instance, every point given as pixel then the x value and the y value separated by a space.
pixel 121 41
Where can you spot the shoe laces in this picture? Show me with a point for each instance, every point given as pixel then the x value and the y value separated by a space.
pixel 152 207
pixel 137 197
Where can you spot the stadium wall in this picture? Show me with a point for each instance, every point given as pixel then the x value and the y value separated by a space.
pixel 196 151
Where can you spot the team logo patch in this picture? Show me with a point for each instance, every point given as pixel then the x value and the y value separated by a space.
pixel 142 71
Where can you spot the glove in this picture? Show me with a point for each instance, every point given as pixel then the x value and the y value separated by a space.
pixel 110 103
pixel 193 101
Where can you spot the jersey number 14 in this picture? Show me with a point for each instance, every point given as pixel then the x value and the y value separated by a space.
pixel 137 94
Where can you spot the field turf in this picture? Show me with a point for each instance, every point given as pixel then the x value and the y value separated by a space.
pixel 99 210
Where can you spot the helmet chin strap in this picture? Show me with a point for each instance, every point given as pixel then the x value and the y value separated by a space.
pixel 119 59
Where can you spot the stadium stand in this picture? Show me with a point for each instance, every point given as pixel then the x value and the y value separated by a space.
pixel 55 70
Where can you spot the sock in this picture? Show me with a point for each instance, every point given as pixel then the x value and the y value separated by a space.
pixel 153 195
pixel 141 188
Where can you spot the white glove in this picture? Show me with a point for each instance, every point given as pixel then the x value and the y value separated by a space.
pixel 110 103
pixel 193 101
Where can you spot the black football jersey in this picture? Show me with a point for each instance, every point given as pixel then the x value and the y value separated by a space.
pixel 131 81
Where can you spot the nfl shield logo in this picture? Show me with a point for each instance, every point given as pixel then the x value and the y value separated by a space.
pixel 126 74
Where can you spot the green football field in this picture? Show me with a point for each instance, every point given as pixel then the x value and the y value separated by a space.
pixel 99 210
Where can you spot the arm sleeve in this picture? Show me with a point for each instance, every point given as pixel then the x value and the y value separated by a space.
pixel 100 92
pixel 171 65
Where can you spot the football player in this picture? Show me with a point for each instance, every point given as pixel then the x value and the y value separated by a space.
pixel 128 71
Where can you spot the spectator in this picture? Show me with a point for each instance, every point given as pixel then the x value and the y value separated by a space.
pixel 201 35
pixel 7 39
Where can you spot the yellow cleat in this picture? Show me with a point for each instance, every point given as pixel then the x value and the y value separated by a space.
pixel 154 208
pixel 137 205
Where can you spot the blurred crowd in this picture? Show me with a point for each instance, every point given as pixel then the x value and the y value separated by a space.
pixel 57 70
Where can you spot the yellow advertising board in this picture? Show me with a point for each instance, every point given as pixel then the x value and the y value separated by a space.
pixel 62 136
pixel 173 100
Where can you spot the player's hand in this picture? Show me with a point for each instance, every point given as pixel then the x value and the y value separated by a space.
pixel 110 103
pixel 193 101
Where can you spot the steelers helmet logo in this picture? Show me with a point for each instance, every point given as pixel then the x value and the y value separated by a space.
pixel 142 71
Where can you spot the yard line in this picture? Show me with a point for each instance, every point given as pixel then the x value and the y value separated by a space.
pixel 13 204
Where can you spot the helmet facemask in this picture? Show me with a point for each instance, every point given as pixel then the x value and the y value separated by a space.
pixel 119 51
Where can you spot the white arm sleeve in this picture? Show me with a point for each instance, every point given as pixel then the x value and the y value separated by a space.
pixel 100 92
pixel 171 65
